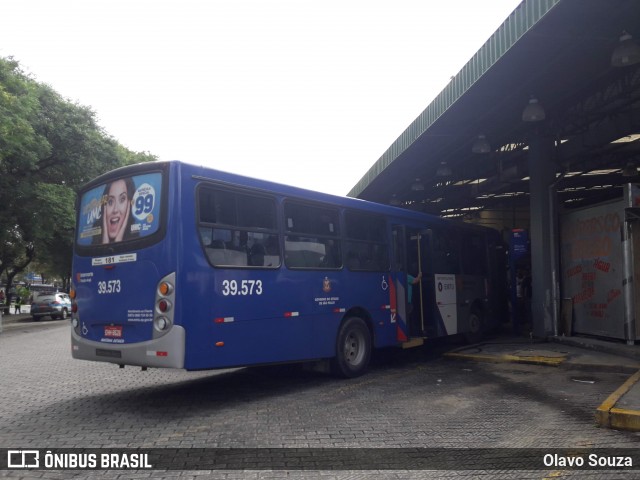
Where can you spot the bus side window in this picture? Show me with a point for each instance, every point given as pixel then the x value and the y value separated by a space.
pixel 235 228
pixel 311 239
pixel 398 250
pixel 474 255
pixel 256 255
pixel 445 252
pixel 367 245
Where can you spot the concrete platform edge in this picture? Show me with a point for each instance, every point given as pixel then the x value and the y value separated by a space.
pixel 607 415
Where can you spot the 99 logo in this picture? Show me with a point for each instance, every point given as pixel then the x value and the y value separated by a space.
pixel 143 201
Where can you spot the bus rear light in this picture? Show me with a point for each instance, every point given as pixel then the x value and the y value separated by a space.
pixel 165 288
pixel 161 323
pixel 163 318
pixel 164 306
pixel 291 314
pixel 75 318
pixel 219 344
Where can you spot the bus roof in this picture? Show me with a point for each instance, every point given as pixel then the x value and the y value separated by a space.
pixel 232 179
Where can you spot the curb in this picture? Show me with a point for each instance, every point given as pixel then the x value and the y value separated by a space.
pixel 607 415
pixel 24 321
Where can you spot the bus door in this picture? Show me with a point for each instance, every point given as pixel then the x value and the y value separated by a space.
pixel 438 262
pixel 406 265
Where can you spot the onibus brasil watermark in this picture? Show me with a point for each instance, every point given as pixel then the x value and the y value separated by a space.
pixel 591 460
pixel 73 460
pixel 333 458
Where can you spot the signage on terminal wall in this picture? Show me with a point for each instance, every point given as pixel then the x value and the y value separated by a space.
pixel 519 242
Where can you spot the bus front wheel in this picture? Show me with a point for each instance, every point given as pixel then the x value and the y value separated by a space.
pixel 353 349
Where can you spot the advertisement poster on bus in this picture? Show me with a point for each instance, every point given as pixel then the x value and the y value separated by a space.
pixel 121 210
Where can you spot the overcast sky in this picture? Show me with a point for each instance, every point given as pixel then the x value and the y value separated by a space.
pixel 308 93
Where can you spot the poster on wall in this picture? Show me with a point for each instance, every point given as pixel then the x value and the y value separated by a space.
pixel 592 268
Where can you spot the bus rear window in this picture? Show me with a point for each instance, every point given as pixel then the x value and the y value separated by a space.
pixel 121 210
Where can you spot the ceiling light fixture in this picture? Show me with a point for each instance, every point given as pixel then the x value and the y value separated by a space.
pixel 630 170
pixel 481 145
pixel 417 186
pixel 533 112
pixel 626 53
pixel 444 170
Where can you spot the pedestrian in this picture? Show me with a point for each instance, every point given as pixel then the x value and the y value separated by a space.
pixel 411 281
pixel 18 305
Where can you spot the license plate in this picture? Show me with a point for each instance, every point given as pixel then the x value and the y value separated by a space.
pixel 113 331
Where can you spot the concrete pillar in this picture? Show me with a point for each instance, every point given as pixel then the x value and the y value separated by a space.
pixel 542 174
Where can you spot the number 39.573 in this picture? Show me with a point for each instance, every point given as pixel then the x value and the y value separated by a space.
pixel 245 287
pixel 112 286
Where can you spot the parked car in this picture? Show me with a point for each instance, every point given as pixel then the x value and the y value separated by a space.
pixel 56 305
pixel 39 290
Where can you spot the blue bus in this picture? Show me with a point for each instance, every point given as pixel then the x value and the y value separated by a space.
pixel 183 266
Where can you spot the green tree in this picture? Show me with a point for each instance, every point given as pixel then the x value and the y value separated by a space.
pixel 49 147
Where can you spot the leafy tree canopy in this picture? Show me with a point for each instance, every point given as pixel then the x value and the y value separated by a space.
pixel 49 147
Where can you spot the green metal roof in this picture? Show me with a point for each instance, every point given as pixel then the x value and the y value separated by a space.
pixel 523 18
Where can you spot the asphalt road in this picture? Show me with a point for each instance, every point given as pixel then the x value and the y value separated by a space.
pixel 411 399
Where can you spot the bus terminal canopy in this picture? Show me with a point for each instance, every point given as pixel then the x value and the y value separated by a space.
pixel 558 52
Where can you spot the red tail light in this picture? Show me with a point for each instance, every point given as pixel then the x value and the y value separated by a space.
pixel 163 305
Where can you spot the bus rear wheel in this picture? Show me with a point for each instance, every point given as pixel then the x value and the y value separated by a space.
pixel 475 331
pixel 353 349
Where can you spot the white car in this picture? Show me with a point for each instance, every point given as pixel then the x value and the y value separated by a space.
pixel 56 305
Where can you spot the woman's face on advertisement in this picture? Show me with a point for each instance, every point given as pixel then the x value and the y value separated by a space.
pixel 116 208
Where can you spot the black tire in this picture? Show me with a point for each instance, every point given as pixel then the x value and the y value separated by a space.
pixel 64 314
pixel 475 325
pixel 353 349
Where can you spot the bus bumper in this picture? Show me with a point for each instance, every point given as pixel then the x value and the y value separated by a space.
pixel 165 352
